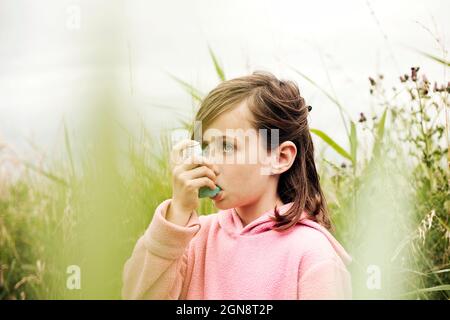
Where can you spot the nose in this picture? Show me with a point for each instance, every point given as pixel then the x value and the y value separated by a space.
pixel 213 164
pixel 216 170
pixel 215 167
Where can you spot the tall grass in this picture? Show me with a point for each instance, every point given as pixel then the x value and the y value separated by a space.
pixel 390 204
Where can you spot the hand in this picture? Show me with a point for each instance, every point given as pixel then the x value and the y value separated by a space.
pixel 189 174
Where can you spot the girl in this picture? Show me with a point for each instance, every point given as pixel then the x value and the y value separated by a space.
pixel 269 239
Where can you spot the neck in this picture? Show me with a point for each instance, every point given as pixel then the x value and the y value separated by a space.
pixel 255 209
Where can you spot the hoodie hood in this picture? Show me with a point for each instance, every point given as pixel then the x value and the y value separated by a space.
pixel 230 221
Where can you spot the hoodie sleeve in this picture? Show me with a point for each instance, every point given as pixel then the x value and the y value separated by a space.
pixel 157 266
pixel 325 280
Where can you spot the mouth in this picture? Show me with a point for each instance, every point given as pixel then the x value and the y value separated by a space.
pixel 218 196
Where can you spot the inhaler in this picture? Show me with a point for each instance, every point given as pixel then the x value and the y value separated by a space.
pixel 204 191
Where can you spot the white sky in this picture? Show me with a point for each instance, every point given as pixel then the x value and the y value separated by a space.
pixel 47 67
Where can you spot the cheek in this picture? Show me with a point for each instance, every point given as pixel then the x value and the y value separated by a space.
pixel 242 183
pixel 247 173
pixel 244 178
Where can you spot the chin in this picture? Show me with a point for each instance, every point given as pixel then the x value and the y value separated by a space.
pixel 227 203
pixel 221 205
pixel 224 203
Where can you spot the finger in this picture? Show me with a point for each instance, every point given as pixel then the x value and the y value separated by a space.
pixel 203 182
pixel 200 172
pixel 197 161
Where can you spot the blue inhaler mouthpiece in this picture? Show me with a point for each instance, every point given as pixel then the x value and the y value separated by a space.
pixel 207 192
pixel 204 191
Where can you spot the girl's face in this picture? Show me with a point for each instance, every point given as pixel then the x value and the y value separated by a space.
pixel 237 150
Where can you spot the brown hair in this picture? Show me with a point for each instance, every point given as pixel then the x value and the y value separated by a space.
pixel 276 104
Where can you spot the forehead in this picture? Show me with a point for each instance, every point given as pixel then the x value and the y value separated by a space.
pixel 230 123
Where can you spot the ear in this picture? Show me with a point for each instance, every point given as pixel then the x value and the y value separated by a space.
pixel 284 157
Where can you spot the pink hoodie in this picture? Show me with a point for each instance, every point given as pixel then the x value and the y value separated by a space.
pixel 215 257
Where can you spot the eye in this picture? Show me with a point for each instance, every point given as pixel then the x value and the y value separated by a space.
pixel 228 147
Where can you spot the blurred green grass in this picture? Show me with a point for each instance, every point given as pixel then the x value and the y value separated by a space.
pixel 390 204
